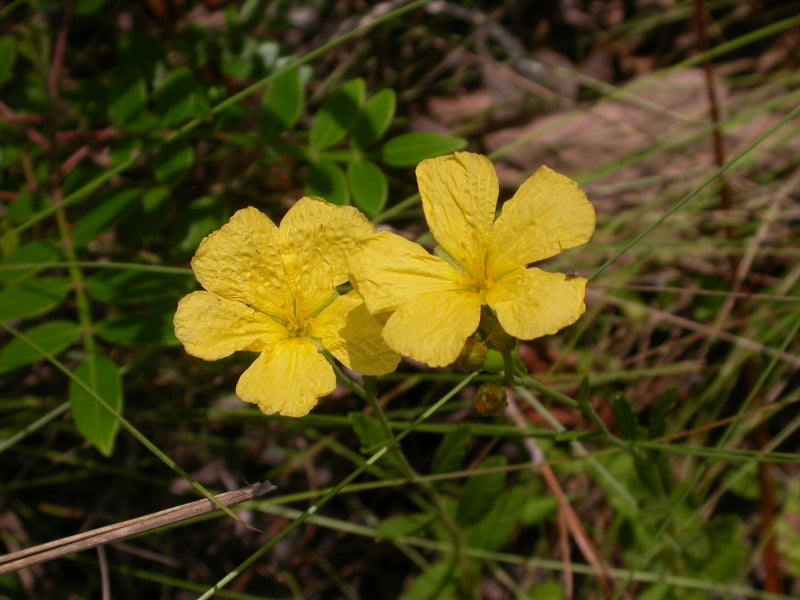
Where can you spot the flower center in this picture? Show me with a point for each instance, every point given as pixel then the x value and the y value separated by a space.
pixel 297 318
pixel 474 265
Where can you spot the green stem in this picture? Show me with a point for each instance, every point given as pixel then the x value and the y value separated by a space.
pixel 426 414
pixel 508 368
pixel 370 386
pixel 82 305
pixel 55 176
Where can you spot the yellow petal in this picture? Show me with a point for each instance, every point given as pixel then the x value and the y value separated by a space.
pixel 212 327
pixel 459 196
pixel 547 214
pixel 315 238
pixel 240 262
pixel 289 378
pixel 353 336
pixel 433 328
pixel 388 271
pixel 530 303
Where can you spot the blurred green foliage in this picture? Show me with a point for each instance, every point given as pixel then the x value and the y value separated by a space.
pixel 124 147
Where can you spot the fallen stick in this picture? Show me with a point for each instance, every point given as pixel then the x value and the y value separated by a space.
pixel 118 531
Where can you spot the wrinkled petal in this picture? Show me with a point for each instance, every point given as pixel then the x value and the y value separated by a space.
pixel 548 214
pixel 240 262
pixel 315 238
pixel 432 329
pixel 353 336
pixel 530 303
pixel 212 327
pixel 289 378
pixel 459 195
pixel 388 271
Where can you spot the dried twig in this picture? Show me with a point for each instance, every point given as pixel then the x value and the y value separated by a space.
pixel 571 519
pixel 125 529
pixel 701 23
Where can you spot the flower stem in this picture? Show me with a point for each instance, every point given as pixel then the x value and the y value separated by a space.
pixel 508 368
pixel 370 390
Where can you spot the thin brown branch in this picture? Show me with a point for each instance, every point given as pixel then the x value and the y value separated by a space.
pixel 701 23
pixel 74 160
pixel 770 560
pixel 570 518
pixel 59 51
pixel 773 578
pixel 125 529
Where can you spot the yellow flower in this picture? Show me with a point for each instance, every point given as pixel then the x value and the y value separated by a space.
pixel 273 291
pixel 434 302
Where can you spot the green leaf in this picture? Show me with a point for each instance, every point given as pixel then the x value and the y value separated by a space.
pixel 147 217
pixel 368 186
pixel 660 413
pixel 88 7
pixel 326 180
pixel 373 121
pixel 129 99
pixel 247 58
pixel 437 582
pixel 538 509
pixel 32 297
pixel 141 53
pixel 104 216
pixel 547 591
pixel 146 327
pixel 197 220
pixel 79 177
pixel 410 148
pixel 370 436
pixel 143 123
pixel 694 543
pixel 658 591
pixel 173 162
pixel 481 492
pixel 180 98
pixel 122 150
pixel 10 155
pixel 94 422
pixel 25 205
pixel 451 452
pixel 229 116
pixel 368 430
pixel 729 557
pixel 624 417
pixel 32 253
pixel 403 526
pixel 493 531
pixel 336 115
pixel 282 104
pixel 8 55
pixel 647 469
pixel 90 98
pixel 121 288
pixel 744 482
pixel 54 337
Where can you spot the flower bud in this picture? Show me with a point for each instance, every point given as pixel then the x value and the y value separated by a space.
pixel 490 399
pixel 472 356
pixel 493 333
pixel 499 340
